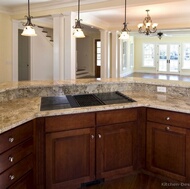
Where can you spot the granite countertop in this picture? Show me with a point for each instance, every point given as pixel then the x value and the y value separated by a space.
pixel 19 111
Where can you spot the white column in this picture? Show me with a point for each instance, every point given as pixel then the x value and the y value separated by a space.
pixel 58 51
pixel 115 55
pixel 64 50
pixel 105 54
pixel 15 24
pixel 69 47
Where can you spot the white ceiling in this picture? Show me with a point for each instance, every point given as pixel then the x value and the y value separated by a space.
pixel 169 14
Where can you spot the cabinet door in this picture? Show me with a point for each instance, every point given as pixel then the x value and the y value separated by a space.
pixel 167 152
pixel 70 158
pixel 115 148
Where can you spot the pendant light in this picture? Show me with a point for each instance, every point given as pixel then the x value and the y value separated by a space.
pixel 29 27
pixel 78 33
pixel 124 32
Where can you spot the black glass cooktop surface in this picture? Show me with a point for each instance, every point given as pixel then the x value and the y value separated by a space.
pixel 82 100
pixel 54 103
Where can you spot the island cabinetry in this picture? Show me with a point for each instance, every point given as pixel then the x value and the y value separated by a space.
pixel 168 144
pixel 116 143
pixel 70 150
pixel 17 158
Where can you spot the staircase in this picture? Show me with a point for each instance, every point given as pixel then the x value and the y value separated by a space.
pixel 80 73
pixel 48 33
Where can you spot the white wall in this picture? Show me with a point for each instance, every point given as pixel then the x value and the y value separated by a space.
pixel 41 57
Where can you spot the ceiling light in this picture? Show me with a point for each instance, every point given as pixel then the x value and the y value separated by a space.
pixel 147 23
pixel 29 27
pixel 78 33
pixel 124 32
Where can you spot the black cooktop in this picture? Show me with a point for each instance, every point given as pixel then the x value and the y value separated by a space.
pixel 82 100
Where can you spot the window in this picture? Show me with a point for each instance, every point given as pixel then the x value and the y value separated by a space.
pixel 98 53
pixel 186 56
pixel 148 55
pixel 124 56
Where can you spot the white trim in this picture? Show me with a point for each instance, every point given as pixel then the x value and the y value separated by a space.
pixel 15 27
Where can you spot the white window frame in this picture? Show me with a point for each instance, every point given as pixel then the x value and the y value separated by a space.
pixel 183 58
pixel 154 59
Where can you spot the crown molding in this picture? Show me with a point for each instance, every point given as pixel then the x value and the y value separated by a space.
pixel 49 6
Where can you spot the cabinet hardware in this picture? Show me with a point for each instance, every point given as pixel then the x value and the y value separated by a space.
pixel 168 128
pixel 11 159
pixel 12 177
pixel 92 136
pixel 99 136
pixel 11 139
pixel 168 118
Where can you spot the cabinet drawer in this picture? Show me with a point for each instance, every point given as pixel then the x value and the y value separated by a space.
pixel 68 122
pixel 168 117
pixel 116 116
pixel 14 155
pixel 16 172
pixel 15 136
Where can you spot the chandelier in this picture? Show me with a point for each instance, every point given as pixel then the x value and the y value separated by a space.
pixel 147 23
pixel 29 27
pixel 124 32
pixel 78 33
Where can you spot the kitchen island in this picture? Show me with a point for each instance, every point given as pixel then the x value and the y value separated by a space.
pixel 108 141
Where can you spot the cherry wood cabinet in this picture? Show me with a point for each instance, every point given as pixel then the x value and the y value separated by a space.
pixel 70 153
pixel 81 148
pixel 116 143
pixel 168 144
pixel 17 158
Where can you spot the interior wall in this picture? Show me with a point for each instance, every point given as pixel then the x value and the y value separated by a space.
pixel 5 48
pixel 41 57
pixel 138 50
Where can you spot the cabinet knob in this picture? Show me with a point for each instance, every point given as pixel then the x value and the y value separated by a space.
pixel 92 136
pixel 99 136
pixel 168 128
pixel 11 139
pixel 11 177
pixel 168 118
pixel 11 159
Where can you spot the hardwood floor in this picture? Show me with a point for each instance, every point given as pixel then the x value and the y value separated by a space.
pixel 160 76
pixel 139 181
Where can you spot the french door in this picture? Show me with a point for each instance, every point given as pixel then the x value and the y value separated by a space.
pixel 168 58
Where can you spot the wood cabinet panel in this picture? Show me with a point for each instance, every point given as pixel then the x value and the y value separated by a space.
pixel 14 155
pixel 15 136
pixel 115 147
pixel 13 174
pixel 68 122
pixel 116 116
pixel 166 150
pixel 168 117
pixel 70 157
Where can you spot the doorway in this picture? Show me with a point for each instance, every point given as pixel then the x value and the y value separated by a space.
pixel 97 58
pixel 168 58
pixel 23 57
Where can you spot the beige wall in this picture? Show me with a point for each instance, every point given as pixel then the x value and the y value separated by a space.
pixel 5 48
pixel 138 50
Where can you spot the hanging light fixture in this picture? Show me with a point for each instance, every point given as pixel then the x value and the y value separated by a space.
pixel 29 27
pixel 147 23
pixel 78 33
pixel 124 32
